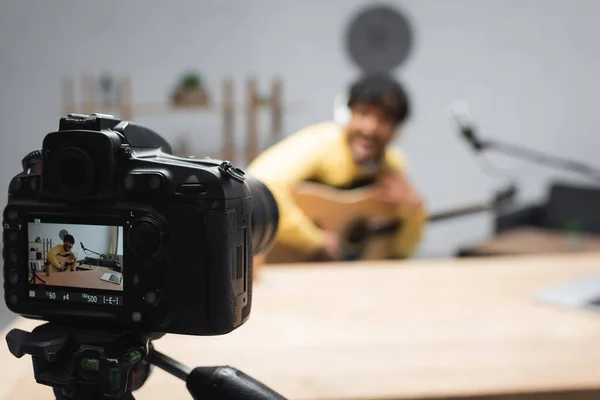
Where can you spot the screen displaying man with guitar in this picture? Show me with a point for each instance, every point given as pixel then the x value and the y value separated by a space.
pixel 338 185
pixel 58 266
pixel 60 257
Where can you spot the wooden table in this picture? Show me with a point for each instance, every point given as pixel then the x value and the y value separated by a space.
pixel 531 240
pixel 444 329
pixel 86 279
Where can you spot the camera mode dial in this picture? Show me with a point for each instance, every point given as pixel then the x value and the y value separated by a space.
pixel 31 160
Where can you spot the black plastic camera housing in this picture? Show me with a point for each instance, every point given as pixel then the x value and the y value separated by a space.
pixel 190 230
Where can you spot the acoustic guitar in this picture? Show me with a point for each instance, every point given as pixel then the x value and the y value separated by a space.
pixel 365 224
pixel 64 261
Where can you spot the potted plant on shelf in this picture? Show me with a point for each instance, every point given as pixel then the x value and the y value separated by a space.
pixel 190 92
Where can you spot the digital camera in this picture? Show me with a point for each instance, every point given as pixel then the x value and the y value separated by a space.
pixel 106 228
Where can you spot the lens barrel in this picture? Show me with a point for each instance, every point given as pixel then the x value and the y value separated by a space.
pixel 265 216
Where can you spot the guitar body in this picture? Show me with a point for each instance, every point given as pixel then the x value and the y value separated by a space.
pixel 65 262
pixel 350 213
pixel 365 224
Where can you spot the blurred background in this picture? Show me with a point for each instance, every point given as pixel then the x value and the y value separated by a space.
pixel 526 68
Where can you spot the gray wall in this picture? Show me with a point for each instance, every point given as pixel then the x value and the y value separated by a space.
pixel 527 68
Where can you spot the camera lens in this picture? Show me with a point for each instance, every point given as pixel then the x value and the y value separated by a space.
pixel 265 216
pixel 73 171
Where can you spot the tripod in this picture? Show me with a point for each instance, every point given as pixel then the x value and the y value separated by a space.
pixel 110 364
pixel 35 276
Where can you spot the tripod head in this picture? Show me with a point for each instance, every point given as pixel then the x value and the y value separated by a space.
pixel 103 364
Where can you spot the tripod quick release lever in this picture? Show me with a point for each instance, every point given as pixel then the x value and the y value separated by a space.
pixel 38 344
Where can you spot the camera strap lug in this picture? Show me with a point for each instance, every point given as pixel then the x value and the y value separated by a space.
pixel 126 149
pixel 231 171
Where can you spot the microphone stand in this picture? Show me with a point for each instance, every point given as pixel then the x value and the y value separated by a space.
pixel 469 132
pixel 102 256
pixel 537 157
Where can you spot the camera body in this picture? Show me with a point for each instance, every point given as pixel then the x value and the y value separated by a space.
pixel 172 239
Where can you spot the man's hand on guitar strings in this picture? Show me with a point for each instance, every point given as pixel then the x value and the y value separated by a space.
pixel 394 188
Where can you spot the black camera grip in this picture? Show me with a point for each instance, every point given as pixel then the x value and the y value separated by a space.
pixel 227 383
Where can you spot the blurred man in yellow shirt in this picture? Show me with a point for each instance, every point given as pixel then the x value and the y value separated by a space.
pixel 346 157
pixel 61 257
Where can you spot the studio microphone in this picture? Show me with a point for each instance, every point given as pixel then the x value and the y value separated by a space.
pixel 82 246
pixel 459 111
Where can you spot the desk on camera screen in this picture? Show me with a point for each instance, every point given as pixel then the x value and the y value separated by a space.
pixel 82 278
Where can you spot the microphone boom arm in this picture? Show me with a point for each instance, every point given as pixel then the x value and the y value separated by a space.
pixel 101 256
pixel 540 158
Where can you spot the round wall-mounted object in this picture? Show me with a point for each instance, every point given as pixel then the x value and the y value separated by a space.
pixel 62 234
pixel 379 38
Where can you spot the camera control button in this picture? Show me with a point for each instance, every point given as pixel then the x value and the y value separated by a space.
pixel 12 236
pixel 146 239
pixel 154 296
pixel 136 316
pixel 191 188
pixel 13 298
pixel 13 256
pixel 144 182
pixel 154 182
pixel 150 297
pixel 13 278
pixel 12 215
pixel 129 182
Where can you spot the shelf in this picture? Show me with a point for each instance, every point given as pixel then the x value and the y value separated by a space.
pixel 155 109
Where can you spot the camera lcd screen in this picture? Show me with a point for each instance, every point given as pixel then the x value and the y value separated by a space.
pixel 75 262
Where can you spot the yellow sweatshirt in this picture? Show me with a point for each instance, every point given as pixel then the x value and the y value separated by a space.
pixel 321 153
pixel 59 250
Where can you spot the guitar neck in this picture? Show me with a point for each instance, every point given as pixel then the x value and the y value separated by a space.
pixel 393 225
pixel 460 211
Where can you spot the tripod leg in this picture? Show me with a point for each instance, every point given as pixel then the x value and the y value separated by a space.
pixel 35 276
